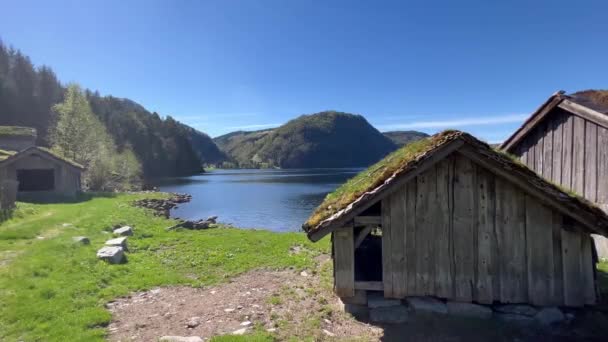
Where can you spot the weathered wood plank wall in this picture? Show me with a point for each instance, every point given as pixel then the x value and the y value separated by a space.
pixel 459 232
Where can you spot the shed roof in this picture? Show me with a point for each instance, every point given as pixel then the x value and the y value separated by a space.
pixel 366 188
pixel 589 104
pixel 17 131
pixel 43 151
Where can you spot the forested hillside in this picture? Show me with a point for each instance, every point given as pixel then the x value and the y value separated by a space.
pixel 326 139
pixel 402 138
pixel 163 146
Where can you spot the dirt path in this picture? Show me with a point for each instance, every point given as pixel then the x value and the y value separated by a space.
pixel 286 302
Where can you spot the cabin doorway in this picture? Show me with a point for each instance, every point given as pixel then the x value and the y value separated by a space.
pixel 36 179
pixel 368 257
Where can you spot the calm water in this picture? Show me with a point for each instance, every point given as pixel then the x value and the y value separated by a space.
pixel 279 200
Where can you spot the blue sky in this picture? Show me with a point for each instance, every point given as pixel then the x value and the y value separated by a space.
pixel 479 66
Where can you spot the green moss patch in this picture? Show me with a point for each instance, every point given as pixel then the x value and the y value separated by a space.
pixel 17 131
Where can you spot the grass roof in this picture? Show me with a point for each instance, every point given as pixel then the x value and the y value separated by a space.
pixel 17 131
pixel 364 185
pixel 5 154
pixel 372 177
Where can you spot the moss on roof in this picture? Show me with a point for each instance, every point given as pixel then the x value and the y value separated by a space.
pixel 372 177
pixel 17 131
pixel 5 154
pixel 596 99
pixel 359 189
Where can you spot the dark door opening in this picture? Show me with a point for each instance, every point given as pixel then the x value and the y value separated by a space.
pixel 368 258
pixel 36 180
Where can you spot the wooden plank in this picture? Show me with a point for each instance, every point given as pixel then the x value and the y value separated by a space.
pixel 387 268
pixel 398 227
pixel 367 220
pixel 585 112
pixel 558 142
pixel 369 285
pixel 602 166
pixel 510 231
pixel 539 133
pixel 567 147
pixel 362 235
pixel 548 151
pixel 410 239
pixel 442 257
pixel 344 262
pixel 439 154
pixel 424 235
pixel 571 260
pixel 558 277
pixel 539 252
pixel 590 167
pixel 486 258
pixel 531 141
pixel 588 269
pixel 464 234
pixel 578 156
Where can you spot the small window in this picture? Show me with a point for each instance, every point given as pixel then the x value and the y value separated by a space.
pixel 36 180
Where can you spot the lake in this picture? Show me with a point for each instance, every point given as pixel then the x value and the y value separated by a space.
pixel 278 200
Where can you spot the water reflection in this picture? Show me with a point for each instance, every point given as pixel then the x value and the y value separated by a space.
pixel 279 200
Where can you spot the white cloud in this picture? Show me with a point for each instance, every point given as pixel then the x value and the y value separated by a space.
pixel 471 121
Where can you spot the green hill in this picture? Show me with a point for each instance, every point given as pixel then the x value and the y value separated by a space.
pixel 402 138
pixel 326 139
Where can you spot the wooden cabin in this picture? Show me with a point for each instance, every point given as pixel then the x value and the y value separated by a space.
pixel 450 217
pixel 566 141
pixel 37 170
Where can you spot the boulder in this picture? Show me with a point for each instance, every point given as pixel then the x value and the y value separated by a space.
pixel 193 322
pixel 123 231
pixel 118 242
pixel 241 331
pixel 469 310
pixel 111 254
pixel 549 316
pixel 377 300
pixel 212 219
pixel 180 339
pixel 427 304
pixel 83 240
pixel 389 314
pixel 517 309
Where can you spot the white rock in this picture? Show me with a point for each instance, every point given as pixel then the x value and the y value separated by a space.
pixel 83 240
pixel 193 322
pixel 111 254
pixel 246 324
pixel 328 333
pixel 123 231
pixel 180 339
pixel 241 331
pixel 427 304
pixel 270 330
pixel 229 310
pixel 118 242
pixel 304 274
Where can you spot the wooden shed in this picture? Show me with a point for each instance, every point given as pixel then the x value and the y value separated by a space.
pixel 566 141
pixel 450 217
pixel 38 170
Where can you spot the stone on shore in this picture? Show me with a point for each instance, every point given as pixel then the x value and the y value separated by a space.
pixel 549 316
pixel 118 242
pixel 83 240
pixel 241 331
pixel 180 339
pixel 469 310
pixel 427 304
pixel 123 231
pixel 111 254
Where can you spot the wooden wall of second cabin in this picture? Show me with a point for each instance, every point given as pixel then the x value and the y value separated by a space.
pixel 459 232
pixel 570 151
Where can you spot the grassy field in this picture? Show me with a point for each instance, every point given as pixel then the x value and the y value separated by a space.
pixel 54 290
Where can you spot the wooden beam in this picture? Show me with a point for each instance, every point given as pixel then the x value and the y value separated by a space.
pixel 585 112
pixel 530 189
pixel 364 232
pixel 384 190
pixel 367 220
pixel 369 285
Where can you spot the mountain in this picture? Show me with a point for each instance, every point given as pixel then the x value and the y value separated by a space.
pixel 326 139
pixel 164 147
pixel 402 138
